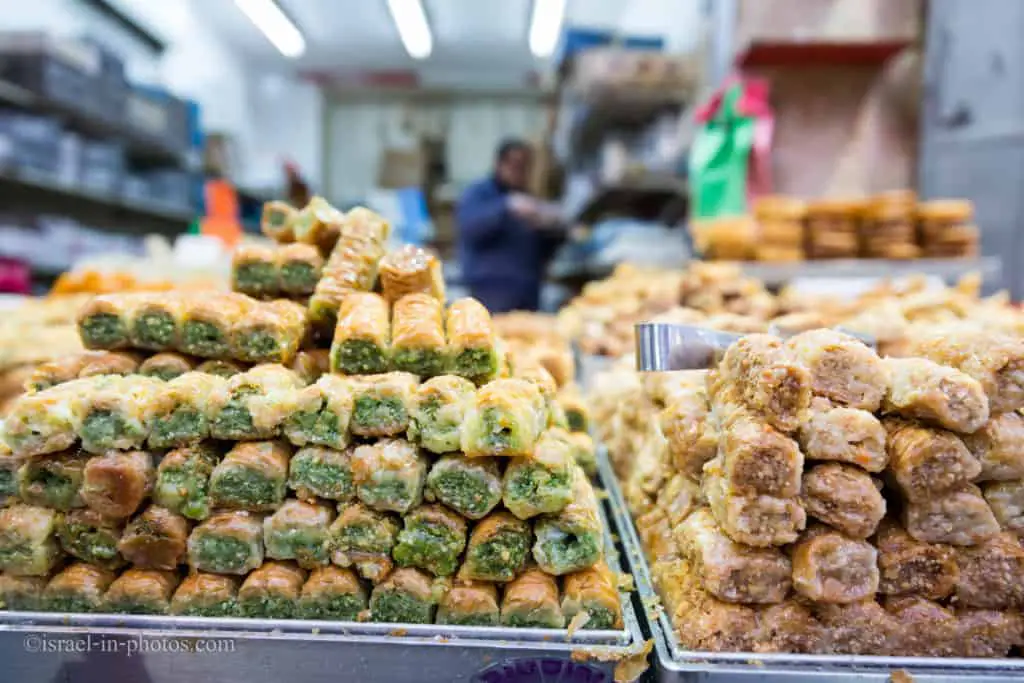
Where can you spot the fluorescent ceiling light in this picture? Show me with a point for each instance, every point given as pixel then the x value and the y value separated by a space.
pixel 275 25
pixel 413 29
pixel 545 25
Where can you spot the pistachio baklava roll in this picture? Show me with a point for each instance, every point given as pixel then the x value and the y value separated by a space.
pixel 270 332
pixel 362 335
pixel 472 341
pixel 507 418
pixel 473 603
pixel 111 363
pixel 252 476
pixel 299 266
pixel 206 595
pixel 141 591
pixel 78 588
pixel 768 377
pixel 155 539
pixel 322 413
pixel 312 364
pixel 439 407
pixel 389 475
pixel 46 421
pixel 577 414
pixel 351 268
pixel 117 483
pixel 118 412
pixel 318 223
pixel 22 593
pixel 411 269
pixel 103 321
pixel 471 487
pixel 156 320
pixel 382 404
pixel 573 539
pixel 184 408
pixel 583 451
pixel 935 393
pixel 9 479
pixel 221 368
pixel 332 593
pixel 277 221
pixel 229 542
pixel 407 596
pixel 272 591
pixel 92 537
pixel 255 404
pixel 207 322
pixel 28 542
pixel 183 480
pixel 363 537
pixel 59 370
pixel 595 592
pixel 531 601
pixel 254 271
pixel 417 336
pixel 166 366
pixel 299 531
pixel 433 538
pixel 542 482
pixel 497 549
pixel 54 480
pixel 316 472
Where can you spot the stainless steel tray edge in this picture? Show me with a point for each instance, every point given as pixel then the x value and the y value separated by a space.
pixel 676 664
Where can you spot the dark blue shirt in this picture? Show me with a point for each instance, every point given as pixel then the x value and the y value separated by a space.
pixel 503 258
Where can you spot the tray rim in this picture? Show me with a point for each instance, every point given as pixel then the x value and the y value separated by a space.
pixel 672 657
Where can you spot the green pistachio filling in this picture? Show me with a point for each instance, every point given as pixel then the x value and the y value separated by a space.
pixel 496 435
pixel 478 365
pixel 183 425
pixel 394 493
pixel 365 538
pixel 50 485
pixel 243 488
pixel 233 422
pixel 538 618
pixel 539 489
pixel 470 619
pixel 154 330
pixel 219 608
pixel 222 554
pixel 261 346
pixel 166 373
pixel 201 338
pixel 577 421
pixel 70 603
pixel 133 606
pixel 379 413
pixel 394 606
pixel 104 331
pixel 470 492
pixel 308 546
pixel 501 557
pixel 184 489
pixel 336 607
pixel 8 482
pixel 360 357
pixel 601 618
pixel 430 546
pixel 321 478
pixel 561 552
pixel 91 543
pixel 256 278
pixel 320 427
pixel 298 277
pixel 104 428
pixel 422 362
pixel 268 607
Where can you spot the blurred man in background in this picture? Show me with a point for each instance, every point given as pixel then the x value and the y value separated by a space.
pixel 505 236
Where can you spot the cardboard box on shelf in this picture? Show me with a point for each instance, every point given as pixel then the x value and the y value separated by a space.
pixel 837 21
pixel 402 168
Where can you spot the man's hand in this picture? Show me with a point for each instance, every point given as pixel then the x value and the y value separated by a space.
pixel 525 207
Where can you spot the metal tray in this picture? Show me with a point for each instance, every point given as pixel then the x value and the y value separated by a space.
pixel 44 646
pixel 673 663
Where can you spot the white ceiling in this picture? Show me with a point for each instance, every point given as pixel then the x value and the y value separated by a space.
pixel 471 37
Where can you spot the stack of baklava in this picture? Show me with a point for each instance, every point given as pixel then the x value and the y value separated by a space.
pixel 808 496
pixel 400 475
